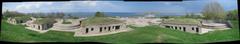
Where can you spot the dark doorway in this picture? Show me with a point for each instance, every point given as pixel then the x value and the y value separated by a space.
pixel 21 21
pixel 39 27
pixel 192 28
pixel 180 28
pixel 109 28
pixel 176 27
pixel 100 29
pixel 86 30
pixel 117 27
pixel 92 29
pixel 167 26
pixel 105 28
pixel 197 30
pixel 112 27
pixel 80 23
pixel 184 29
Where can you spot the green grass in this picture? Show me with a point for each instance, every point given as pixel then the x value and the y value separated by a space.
pixel 99 20
pixel 65 22
pixel 44 21
pixel 182 21
pixel 148 34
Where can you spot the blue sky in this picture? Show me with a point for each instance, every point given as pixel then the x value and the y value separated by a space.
pixel 115 6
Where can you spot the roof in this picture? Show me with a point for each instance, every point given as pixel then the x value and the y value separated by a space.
pixel 99 21
pixel 22 18
pixel 182 21
pixel 44 21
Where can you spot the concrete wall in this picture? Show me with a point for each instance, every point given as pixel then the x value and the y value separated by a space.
pixel 96 29
pixel 41 26
pixel 12 21
pixel 188 28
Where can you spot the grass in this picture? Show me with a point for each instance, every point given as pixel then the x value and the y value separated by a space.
pixel 182 21
pixel 65 22
pixel 99 20
pixel 44 21
pixel 148 34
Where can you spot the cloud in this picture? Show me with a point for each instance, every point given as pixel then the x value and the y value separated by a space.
pixel 90 3
pixel 31 5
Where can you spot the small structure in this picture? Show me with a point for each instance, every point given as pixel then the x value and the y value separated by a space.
pixel 17 20
pixel 99 25
pixel 70 27
pixel 211 24
pixel 186 25
pixel 42 24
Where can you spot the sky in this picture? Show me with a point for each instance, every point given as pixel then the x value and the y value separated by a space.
pixel 195 6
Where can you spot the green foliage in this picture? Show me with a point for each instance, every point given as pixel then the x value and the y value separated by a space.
pixel 44 21
pixel 148 34
pixel 99 14
pixel 72 17
pixel 182 21
pixel 233 15
pixel 13 14
pixel 66 22
pixel 99 20
pixel 192 15
pixel 23 18
pixel 214 10
pixel 166 17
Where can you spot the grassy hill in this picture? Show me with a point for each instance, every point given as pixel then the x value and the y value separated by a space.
pixel 148 34
pixel 99 21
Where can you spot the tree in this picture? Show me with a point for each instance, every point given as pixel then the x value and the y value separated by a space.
pixel 72 17
pixel 165 17
pixel 12 14
pixel 214 11
pixel 233 15
pixel 99 14
pixel 60 15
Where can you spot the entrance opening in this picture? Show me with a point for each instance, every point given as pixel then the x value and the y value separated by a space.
pixel 184 29
pixel 80 22
pixel 105 28
pixel 117 27
pixel 180 28
pixel 197 30
pixel 112 27
pixel 167 26
pixel 39 27
pixel 100 29
pixel 192 28
pixel 92 29
pixel 86 30
pixel 176 27
pixel 109 28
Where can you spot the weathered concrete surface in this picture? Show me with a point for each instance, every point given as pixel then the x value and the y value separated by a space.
pixel 33 29
pixel 107 33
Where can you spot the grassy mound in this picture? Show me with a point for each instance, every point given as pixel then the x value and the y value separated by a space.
pixel 148 34
pixel 99 21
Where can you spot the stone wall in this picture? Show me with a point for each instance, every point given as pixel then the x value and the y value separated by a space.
pixel 12 21
pixel 97 29
pixel 185 28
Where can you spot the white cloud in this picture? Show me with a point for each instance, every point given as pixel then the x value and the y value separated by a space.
pixel 31 5
pixel 90 3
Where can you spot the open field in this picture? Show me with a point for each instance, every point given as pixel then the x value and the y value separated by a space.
pixel 148 34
